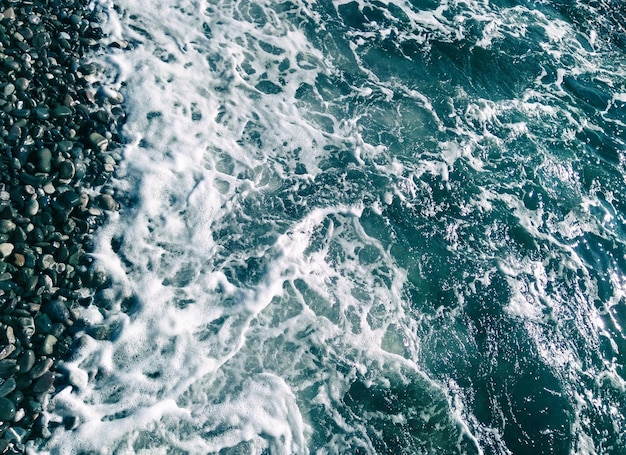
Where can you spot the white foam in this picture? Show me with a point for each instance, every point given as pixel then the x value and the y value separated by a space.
pixel 250 326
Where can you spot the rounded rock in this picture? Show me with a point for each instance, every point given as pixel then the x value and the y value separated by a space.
pixel 7 387
pixel 107 202
pixel 7 226
pixel 67 170
pixel 43 160
pixel 44 383
pixel 40 368
pixel 98 141
pixel 42 113
pixel 26 361
pixel 61 112
pixel 47 346
pixel 7 410
pixel 9 89
pixel 32 207
pixel 68 199
pixel 21 83
pixel 6 249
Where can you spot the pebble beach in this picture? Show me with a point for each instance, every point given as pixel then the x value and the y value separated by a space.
pixel 60 145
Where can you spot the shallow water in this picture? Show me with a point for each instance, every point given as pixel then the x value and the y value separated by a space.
pixel 362 227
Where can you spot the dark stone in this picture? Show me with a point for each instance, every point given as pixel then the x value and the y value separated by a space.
pixel 8 367
pixel 7 387
pixel 40 368
pixel 41 40
pixel 68 200
pixel 7 409
pixel 44 383
pixel 62 112
pixel 42 113
pixel 43 160
pixel 26 361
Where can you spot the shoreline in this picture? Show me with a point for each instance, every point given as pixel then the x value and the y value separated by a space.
pixel 59 141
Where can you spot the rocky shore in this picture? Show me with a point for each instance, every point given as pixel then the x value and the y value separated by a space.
pixel 59 146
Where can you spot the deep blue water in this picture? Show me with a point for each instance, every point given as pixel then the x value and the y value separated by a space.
pixel 363 227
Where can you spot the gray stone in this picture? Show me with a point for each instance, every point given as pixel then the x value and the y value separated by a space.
pixel 6 226
pixel 107 202
pixel 41 368
pixel 31 207
pixel 9 89
pixel 27 324
pixel 44 383
pixel 47 346
pixel 6 351
pixel 9 13
pixel 47 261
pixel 21 83
pixel 98 141
pixel 9 335
pixel 6 249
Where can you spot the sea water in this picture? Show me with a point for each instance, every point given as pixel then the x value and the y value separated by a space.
pixel 360 227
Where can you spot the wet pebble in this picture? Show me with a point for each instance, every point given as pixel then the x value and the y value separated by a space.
pixel 7 409
pixel 6 226
pixel 98 141
pixel 43 160
pixel 44 383
pixel 7 386
pixel 61 112
pixel 67 170
pixel 107 202
pixel 6 249
pixel 47 346
pixel 59 139
pixel 40 368
pixel 26 361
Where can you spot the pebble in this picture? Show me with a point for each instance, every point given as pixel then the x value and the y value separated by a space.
pixel 27 324
pixel 6 351
pixel 57 125
pixel 40 368
pixel 6 387
pixel 8 13
pixel 43 160
pixel 61 112
pixel 98 141
pixel 57 311
pixel 67 170
pixel 7 226
pixel 47 346
pixel 6 249
pixel 9 89
pixel 42 113
pixel 7 409
pixel 27 361
pixel 107 202
pixel 44 383
pixel 31 207
pixel 21 83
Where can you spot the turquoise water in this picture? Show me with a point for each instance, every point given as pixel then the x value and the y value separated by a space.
pixel 362 227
